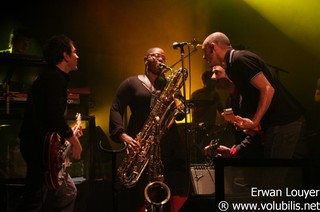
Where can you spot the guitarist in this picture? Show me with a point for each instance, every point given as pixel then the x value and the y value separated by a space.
pixel 265 101
pixel 247 142
pixel 45 108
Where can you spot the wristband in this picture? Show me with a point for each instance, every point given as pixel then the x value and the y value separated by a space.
pixel 233 151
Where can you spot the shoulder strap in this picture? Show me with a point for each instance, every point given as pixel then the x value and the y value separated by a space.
pixel 146 82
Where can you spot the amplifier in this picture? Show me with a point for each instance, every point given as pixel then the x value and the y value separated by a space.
pixel 202 178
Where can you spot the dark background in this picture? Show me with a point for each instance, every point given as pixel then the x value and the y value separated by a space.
pixel 113 36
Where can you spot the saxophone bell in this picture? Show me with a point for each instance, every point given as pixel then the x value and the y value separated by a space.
pixel 156 194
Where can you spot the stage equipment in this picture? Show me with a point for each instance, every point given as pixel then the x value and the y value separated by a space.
pixel 203 180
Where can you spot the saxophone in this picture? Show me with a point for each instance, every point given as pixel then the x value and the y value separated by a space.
pixel 163 114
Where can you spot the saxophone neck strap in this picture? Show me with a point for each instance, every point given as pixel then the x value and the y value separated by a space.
pixel 146 82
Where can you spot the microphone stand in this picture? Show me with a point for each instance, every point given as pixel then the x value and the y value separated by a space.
pixel 173 65
pixel 185 74
pixel 188 55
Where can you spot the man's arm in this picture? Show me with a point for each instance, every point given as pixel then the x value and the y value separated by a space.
pixel 266 90
pixel 266 94
pixel 76 147
pixel 317 93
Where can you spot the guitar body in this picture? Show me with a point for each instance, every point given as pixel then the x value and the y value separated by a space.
pixel 56 157
pixel 56 160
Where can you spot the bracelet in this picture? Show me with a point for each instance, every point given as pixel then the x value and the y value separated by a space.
pixel 233 151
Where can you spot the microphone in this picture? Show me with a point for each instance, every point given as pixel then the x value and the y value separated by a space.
pixel 175 45
pixel 195 43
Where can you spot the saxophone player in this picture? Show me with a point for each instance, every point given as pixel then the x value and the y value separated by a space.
pixel 138 93
pixel 135 92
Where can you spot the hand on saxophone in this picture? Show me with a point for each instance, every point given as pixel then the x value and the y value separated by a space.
pixel 132 145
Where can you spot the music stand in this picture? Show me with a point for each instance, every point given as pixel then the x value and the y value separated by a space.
pixel 114 163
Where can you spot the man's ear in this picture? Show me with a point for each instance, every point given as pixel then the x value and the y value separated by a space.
pixel 66 57
pixel 212 46
pixel 147 59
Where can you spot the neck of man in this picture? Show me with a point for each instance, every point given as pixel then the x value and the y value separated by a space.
pixel 63 67
pixel 151 76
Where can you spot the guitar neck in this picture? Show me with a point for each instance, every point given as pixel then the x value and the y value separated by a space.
pixel 76 129
pixel 230 117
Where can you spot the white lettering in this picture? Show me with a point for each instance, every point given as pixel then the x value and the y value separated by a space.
pixel 255 192
pixel 302 193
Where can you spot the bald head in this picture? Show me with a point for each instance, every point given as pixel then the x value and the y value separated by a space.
pixel 219 38
pixel 215 47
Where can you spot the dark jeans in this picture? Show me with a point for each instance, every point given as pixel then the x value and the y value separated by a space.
pixel 285 141
pixel 282 141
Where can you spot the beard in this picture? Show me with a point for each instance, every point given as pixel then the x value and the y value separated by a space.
pixel 154 68
pixel 155 71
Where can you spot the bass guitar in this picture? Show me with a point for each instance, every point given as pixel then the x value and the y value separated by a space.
pixel 56 156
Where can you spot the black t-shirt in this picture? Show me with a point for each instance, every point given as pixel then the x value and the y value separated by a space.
pixel 244 65
pixel 46 105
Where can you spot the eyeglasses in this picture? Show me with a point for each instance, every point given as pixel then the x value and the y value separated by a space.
pixel 159 56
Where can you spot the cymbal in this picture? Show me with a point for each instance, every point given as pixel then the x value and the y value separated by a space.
pixel 204 126
pixel 7 58
pixel 5 125
pixel 199 103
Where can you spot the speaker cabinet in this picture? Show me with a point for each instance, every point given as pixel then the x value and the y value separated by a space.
pixel 202 178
